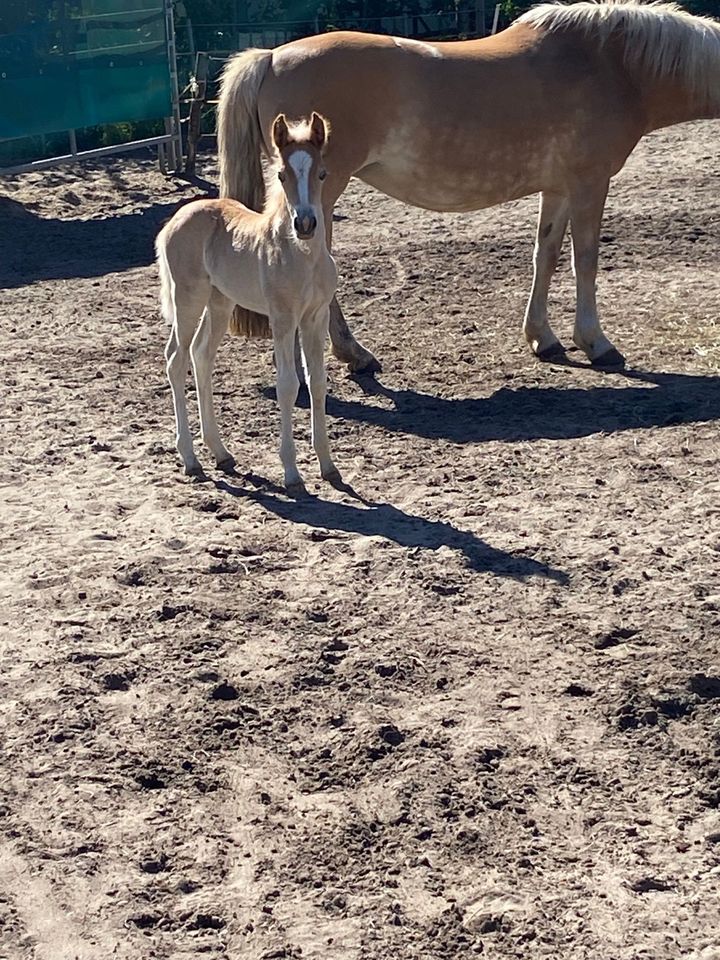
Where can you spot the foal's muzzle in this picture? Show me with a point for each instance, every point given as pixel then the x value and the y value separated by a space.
pixel 305 226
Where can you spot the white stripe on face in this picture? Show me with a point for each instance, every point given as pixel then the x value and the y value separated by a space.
pixel 301 162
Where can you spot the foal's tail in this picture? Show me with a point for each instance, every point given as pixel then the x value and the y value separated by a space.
pixel 240 148
pixel 167 308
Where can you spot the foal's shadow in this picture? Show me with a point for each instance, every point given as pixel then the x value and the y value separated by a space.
pixel 531 413
pixel 405 529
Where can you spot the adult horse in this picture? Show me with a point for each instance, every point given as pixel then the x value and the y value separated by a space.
pixel 554 104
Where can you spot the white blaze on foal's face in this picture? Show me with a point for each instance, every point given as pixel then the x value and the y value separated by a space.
pixel 301 163
pixel 304 168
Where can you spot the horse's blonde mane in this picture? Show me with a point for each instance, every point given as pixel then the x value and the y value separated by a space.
pixel 659 38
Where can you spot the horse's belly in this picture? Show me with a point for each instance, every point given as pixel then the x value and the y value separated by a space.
pixel 448 190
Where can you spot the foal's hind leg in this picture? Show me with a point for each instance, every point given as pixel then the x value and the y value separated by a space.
pixel 552 222
pixel 314 330
pixel 187 309
pixel 212 329
pixel 586 210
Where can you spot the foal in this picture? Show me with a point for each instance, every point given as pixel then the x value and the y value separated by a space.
pixel 215 253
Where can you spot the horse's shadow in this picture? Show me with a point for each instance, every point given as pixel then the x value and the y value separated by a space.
pixel 533 413
pixel 387 521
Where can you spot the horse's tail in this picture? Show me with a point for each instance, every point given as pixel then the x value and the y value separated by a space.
pixel 240 148
pixel 238 126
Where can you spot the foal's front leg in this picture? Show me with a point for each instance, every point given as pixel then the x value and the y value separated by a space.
pixel 314 331
pixel 284 329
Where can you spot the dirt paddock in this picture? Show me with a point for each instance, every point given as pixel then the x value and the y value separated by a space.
pixel 476 712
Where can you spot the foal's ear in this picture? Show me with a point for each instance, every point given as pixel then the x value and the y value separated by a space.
pixel 281 134
pixel 318 131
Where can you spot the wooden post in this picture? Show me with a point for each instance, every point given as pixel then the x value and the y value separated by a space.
pixel 495 19
pixel 202 64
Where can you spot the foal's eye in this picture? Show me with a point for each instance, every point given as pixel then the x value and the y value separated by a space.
pixel 281 177
pixel 322 174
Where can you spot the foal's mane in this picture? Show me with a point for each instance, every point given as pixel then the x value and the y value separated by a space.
pixel 660 39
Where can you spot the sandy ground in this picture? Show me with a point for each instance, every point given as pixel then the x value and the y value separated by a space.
pixel 477 715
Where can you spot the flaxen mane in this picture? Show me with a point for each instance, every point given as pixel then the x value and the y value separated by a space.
pixel 660 39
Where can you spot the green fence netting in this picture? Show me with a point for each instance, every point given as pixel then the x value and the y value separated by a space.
pixel 66 64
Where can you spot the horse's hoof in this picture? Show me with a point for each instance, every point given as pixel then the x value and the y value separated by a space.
pixel 611 358
pixel 297 490
pixel 360 363
pixel 556 351
pixel 333 477
pixel 366 367
pixel 195 470
pixel 227 465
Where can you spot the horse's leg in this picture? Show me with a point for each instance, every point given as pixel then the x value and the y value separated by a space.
pixel 284 329
pixel 314 331
pixel 187 309
pixel 552 222
pixel 212 329
pixel 344 345
pixel 346 348
pixel 586 209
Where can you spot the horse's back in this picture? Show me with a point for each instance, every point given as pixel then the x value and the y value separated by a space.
pixel 458 125
pixel 480 80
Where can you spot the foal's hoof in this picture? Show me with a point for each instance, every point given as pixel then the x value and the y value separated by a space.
pixel 227 465
pixel 611 358
pixel 297 490
pixel 556 351
pixel 195 471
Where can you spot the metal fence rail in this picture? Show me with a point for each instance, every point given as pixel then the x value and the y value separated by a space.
pixel 88 63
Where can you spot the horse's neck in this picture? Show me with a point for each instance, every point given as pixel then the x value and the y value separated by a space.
pixel 667 104
pixel 690 91
pixel 664 108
